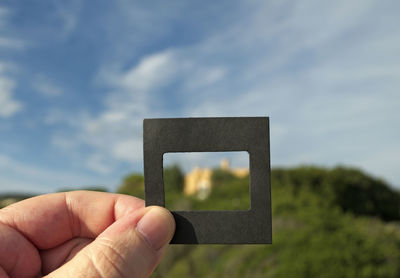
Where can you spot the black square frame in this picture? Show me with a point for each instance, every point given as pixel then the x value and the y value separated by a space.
pixel 176 135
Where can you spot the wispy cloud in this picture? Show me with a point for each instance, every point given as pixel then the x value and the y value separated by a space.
pixel 11 43
pixel 8 105
pixel 16 176
pixel 44 86
pixel 115 133
pixel 8 40
pixel 325 78
pixel 67 14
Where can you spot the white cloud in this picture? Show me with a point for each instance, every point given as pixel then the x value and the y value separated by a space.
pixel 8 105
pixel 64 16
pixel 16 176
pixel 115 133
pixel 11 43
pixel 203 77
pixel 149 73
pixel 129 150
pixel 327 79
pixel 46 87
pixel 97 163
pixel 7 39
pixel 69 16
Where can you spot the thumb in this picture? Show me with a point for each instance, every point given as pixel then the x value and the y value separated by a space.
pixel 131 247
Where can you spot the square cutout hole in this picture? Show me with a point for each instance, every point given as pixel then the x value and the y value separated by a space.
pixel 206 181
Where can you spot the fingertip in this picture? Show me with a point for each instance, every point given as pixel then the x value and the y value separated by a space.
pixel 139 237
pixel 157 227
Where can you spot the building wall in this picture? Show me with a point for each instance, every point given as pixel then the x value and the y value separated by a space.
pixel 198 181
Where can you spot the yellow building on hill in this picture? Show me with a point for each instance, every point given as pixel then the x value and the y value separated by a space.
pixel 198 181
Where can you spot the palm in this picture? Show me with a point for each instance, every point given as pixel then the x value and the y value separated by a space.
pixel 40 234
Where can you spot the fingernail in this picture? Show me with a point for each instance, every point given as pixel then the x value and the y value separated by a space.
pixel 157 227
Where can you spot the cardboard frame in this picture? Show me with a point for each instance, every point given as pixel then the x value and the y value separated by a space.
pixel 249 134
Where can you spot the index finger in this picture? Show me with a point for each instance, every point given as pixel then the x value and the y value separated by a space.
pixel 49 220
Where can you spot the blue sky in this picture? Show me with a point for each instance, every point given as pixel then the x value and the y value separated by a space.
pixel 78 77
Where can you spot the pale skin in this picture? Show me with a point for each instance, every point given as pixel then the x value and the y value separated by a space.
pixel 82 234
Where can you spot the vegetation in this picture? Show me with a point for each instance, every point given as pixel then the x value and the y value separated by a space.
pixel 350 189
pixel 326 223
pixel 133 185
pixel 173 178
pixel 8 199
pixel 336 222
pixel 89 188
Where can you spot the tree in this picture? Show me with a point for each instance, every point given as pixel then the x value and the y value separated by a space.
pixel 132 184
pixel 220 176
pixel 89 188
pixel 173 178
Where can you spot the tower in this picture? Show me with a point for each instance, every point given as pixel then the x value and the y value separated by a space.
pixel 225 164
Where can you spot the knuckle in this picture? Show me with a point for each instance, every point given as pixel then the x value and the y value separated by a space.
pixel 107 260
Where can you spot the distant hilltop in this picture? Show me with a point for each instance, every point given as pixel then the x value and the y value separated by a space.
pixel 198 181
pixel 8 199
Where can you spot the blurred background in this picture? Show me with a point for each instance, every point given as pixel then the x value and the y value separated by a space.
pixel 77 78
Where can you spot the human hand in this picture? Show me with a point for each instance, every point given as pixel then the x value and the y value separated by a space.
pixel 82 234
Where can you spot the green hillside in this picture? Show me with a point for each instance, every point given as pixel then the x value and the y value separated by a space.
pixel 8 199
pixel 326 223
